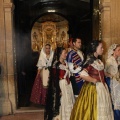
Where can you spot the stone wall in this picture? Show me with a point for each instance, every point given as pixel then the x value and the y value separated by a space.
pixel 110 19
pixel 7 86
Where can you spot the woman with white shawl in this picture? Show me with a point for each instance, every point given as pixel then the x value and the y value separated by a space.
pixel 39 91
pixel 113 77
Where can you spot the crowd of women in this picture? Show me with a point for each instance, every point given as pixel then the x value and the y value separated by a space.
pixel 76 86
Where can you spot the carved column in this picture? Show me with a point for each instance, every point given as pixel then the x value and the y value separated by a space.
pixel 105 24
pixel 7 86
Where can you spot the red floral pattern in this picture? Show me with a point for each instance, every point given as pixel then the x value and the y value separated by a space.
pixel 38 95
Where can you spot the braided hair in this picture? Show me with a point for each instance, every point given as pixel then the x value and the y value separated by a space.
pixel 53 96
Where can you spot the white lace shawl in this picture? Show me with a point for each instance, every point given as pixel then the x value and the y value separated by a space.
pixel 97 64
pixel 43 61
pixel 111 66
pixel 111 51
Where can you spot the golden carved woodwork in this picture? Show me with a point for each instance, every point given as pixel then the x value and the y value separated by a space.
pixel 49 33
pixel 53 33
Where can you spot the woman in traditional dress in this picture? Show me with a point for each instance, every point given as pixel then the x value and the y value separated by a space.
pixel 38 95
pixel 60 98
pixel 93 102
pixel 113 77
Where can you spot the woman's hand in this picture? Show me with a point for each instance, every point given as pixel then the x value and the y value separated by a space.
pixel 95 80
pixel 108 75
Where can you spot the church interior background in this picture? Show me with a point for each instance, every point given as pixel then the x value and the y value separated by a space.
pixel 41 22
pixel 26 25
pixel 45 31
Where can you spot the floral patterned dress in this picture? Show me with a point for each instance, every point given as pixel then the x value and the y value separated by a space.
pixel 113 83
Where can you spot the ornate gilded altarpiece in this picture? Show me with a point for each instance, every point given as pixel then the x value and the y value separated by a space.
pixel 45 31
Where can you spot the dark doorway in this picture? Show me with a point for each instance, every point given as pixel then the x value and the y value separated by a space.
pixel 79 17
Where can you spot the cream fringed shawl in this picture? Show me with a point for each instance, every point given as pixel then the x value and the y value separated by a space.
pixel 43 61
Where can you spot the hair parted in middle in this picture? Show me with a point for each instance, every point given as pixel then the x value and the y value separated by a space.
pixel 48 45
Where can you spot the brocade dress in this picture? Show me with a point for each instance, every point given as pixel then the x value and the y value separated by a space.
pixel 113 83
pixel 93 102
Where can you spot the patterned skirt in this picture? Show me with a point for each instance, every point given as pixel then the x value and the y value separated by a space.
pixel 38 94
pixel 114 87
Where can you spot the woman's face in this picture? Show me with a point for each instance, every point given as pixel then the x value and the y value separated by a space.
pixel 47 49
pixel 117 52
pixel 99 49
pixel 63 54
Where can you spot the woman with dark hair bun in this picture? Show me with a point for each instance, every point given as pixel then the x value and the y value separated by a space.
pixel 93 102
pixel 60 98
